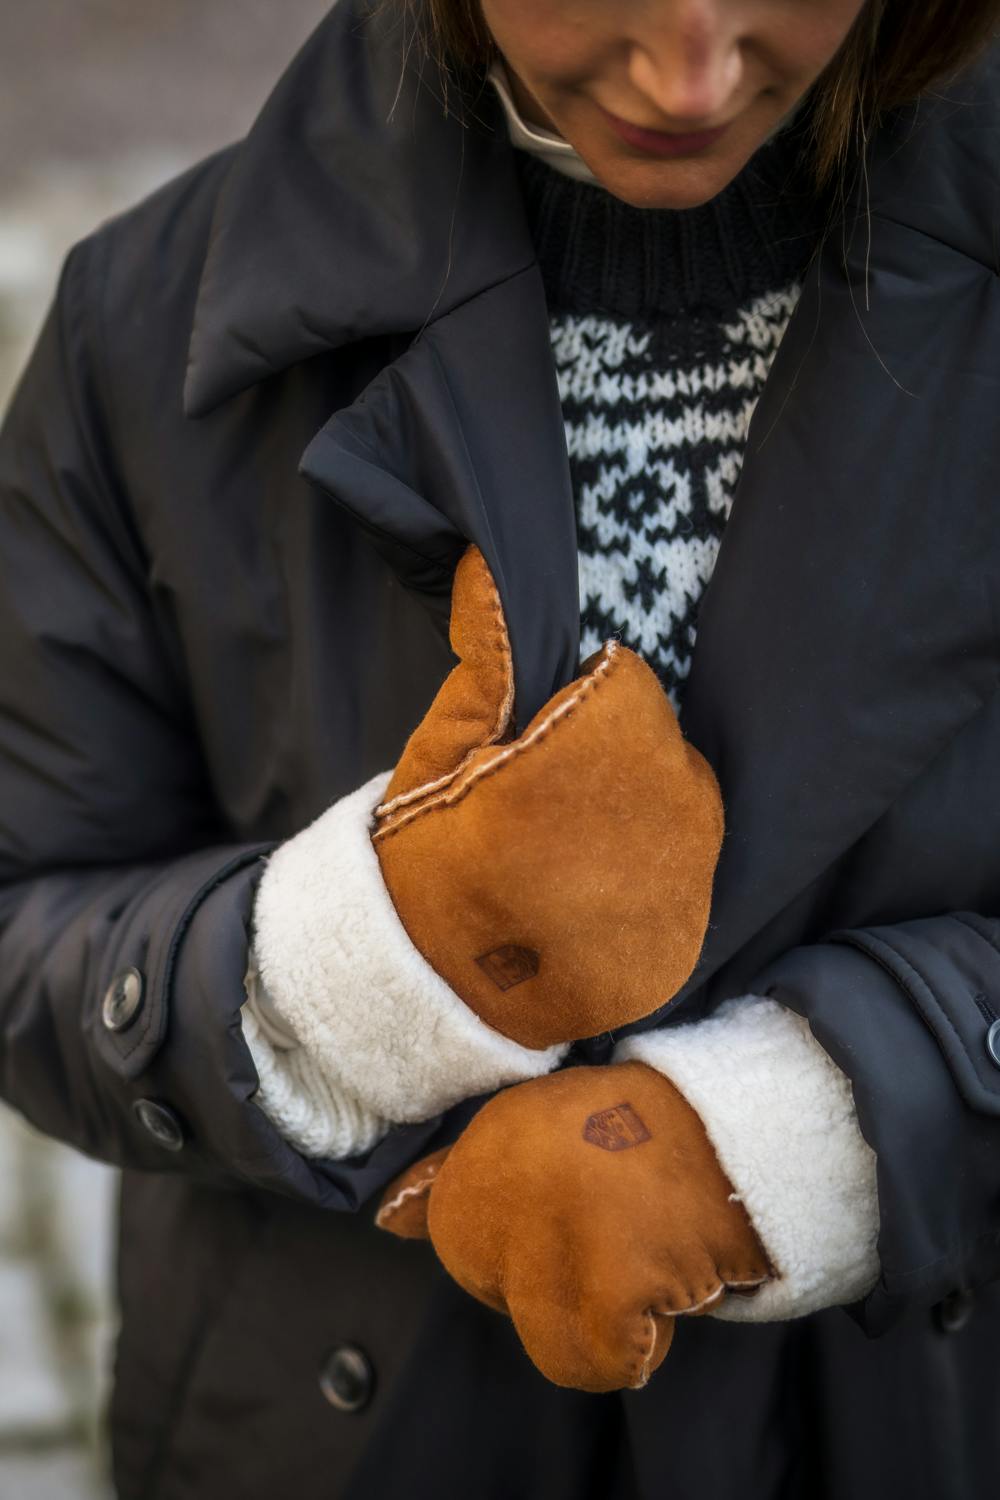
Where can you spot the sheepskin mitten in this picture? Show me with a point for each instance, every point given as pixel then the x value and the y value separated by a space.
pixel 560 880
pixel 591 1207
pixel 728 1152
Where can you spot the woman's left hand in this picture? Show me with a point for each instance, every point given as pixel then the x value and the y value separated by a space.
pixel 590 1206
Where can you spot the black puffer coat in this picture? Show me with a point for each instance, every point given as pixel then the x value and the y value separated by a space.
pixel 270 406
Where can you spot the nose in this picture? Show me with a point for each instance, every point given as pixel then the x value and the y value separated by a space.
pixel 689 60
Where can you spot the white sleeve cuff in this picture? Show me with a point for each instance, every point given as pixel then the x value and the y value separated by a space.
pixel 313 1112
pixel 781 1117
pixel 382 1038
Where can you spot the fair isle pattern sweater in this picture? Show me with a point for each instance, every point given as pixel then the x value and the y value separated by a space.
pixel 663 327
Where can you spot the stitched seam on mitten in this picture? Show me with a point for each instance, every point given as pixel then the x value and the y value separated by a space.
pixel 648 1352
pixel 510 753
pixel 412 1190
pixel 501 643
pixel 695 1303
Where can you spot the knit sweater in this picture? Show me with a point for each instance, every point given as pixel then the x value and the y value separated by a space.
pixel 663 328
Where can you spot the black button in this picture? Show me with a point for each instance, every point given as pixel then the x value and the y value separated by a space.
pixel 161 1123
pixel 954 1312
pixel 347 1378
pixel 993 1042
pixel 122 1000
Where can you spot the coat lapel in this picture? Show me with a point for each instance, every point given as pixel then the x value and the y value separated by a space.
pixel 356 207
pixel 849 629
pixel 461 439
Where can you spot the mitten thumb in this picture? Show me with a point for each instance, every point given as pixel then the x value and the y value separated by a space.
pixel 403 1210
pixel 475 703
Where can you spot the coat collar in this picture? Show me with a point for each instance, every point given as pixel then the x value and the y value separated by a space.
pixel 356 206
pixel 461 439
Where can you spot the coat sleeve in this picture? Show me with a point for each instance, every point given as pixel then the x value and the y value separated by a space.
pixel 909 1012
pixel 114 862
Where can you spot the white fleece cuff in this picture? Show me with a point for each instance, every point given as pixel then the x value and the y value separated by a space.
pixel 313 1112
pixel 781 1117
pixel 388 1039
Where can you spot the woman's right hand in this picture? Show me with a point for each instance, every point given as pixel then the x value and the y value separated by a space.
pixel 559 881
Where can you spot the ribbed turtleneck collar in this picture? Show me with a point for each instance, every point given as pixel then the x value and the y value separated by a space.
pixel 603 255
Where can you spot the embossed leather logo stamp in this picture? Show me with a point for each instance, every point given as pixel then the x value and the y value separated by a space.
pixel 509 965
pixel 616 1129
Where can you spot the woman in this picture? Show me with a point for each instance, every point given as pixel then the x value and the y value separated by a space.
pixel 272 407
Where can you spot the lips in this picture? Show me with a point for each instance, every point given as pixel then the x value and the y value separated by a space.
pixel 664 142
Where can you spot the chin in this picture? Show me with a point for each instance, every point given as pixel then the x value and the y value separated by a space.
pixel 684 182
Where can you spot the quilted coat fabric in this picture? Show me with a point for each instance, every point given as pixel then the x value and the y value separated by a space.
pixel 269 408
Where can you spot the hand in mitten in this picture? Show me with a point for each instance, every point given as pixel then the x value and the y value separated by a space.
pixel 449 930
pixel 595 1205
pixel 560 880
pixel 591 1207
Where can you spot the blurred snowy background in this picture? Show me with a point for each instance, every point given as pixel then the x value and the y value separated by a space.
pixel 100 102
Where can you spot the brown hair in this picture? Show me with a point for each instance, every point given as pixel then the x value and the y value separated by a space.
pixel 893 53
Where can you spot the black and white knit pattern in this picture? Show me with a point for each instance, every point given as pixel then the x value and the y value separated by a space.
pixel 655 448
pixel 663 326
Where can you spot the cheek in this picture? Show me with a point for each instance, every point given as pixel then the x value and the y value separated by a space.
pixel 543 39
pixel 808 34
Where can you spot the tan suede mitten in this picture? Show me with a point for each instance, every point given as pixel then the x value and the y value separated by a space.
pixel 590 1206
pixel 558 881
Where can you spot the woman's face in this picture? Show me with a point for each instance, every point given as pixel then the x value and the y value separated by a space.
pixel 665 100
